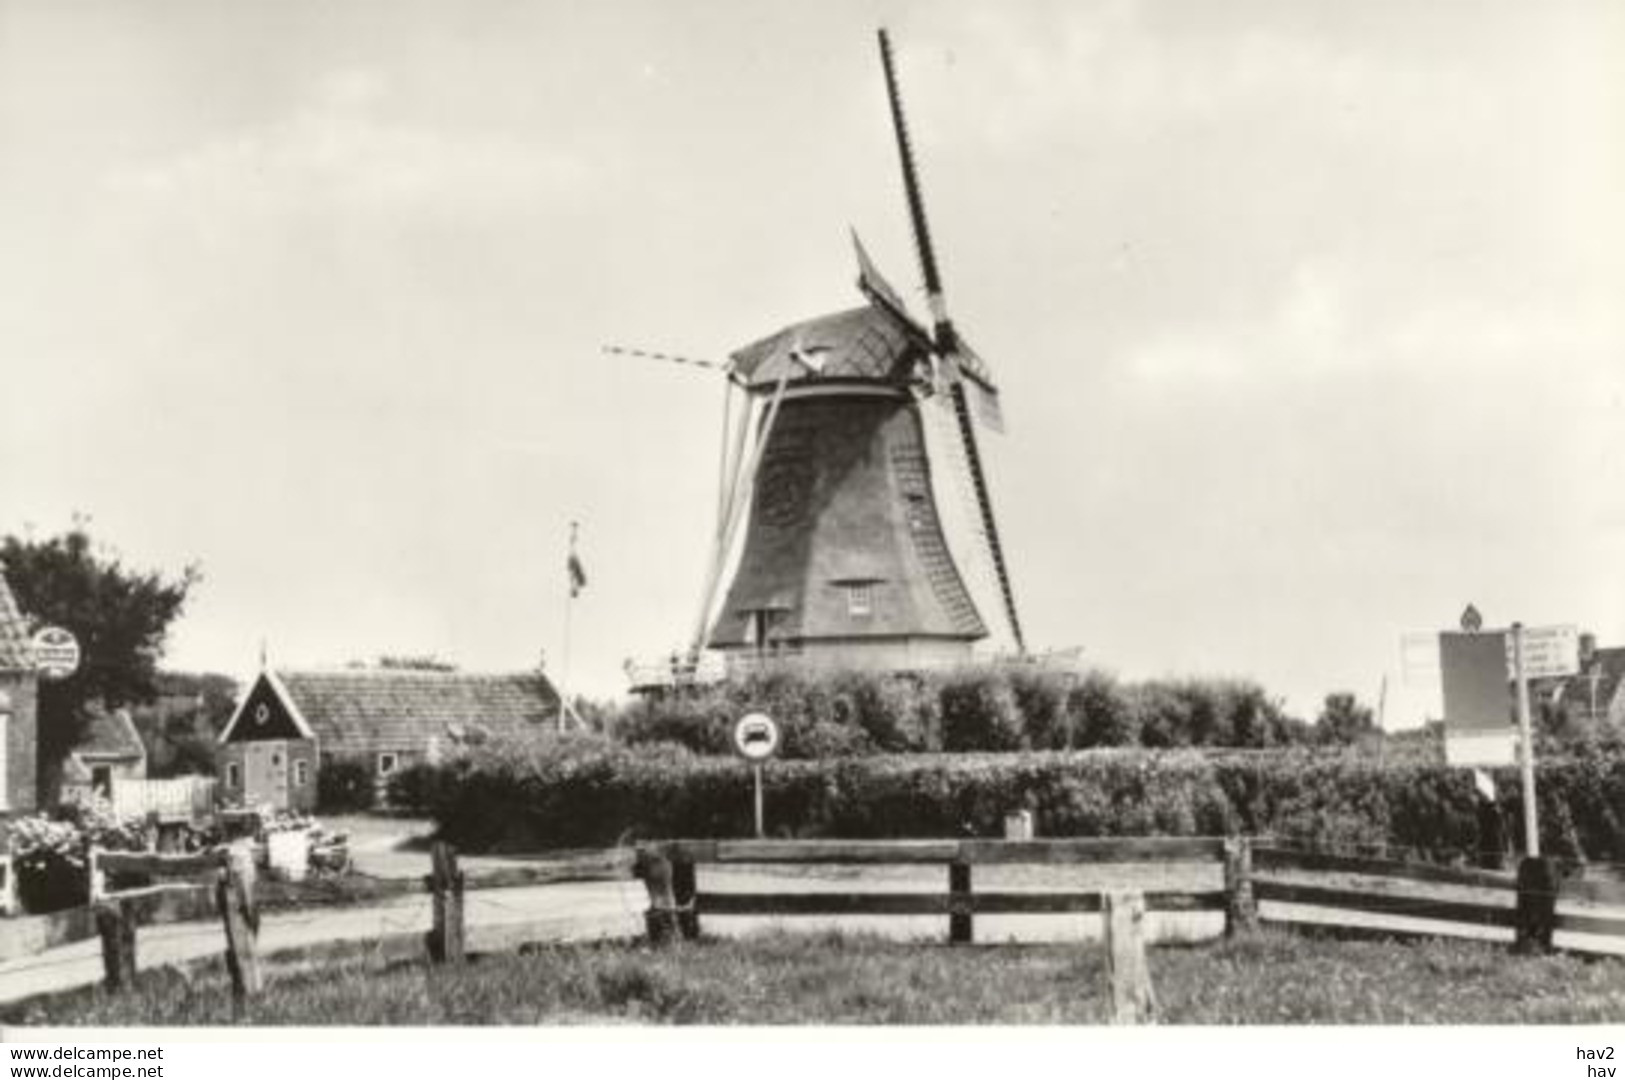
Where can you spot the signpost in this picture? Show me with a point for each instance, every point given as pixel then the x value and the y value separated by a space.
pixel 56 653
pixel 1476 666
pixel 756 739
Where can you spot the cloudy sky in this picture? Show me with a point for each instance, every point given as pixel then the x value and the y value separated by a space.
pixel 1307 315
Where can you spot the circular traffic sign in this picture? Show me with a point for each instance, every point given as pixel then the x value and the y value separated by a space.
pixel 756 737
pixel 56 653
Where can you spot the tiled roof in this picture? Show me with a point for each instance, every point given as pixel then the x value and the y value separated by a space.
pixel 110 735
pixel 15 652
pixel 863 343
pixel 367 710
pixel 1607 666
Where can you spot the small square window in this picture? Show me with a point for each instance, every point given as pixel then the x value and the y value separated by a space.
pixel 860 600
pixel 386 764
pixel 301 773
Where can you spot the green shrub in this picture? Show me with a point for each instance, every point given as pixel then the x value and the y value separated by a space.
pixel 344 786
pixel 968 709
pixel 585 792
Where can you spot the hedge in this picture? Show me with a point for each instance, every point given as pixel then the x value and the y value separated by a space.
pixel 583 792
pixel 974 708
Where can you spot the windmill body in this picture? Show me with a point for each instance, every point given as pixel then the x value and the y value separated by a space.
pixel 832 544
pixel 844 558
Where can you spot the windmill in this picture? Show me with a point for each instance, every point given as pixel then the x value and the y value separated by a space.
pixel 854 520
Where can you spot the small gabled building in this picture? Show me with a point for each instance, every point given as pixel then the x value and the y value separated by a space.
pixel 291 724
pixel 19 697
pixel 110 749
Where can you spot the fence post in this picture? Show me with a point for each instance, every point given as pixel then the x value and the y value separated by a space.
pixel 1537 905
pixel 446 883
pixel 660 921
pixel 960 929
pixel 683 889
pixel 10 902
pixel 1241 909
pixel 96 881
pixel 235 897
pixel 1133 1001
pixel 115 922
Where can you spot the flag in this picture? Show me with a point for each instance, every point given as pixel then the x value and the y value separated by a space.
pixel 578 576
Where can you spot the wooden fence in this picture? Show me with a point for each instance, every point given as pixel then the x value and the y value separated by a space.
pixel 183 798
pixel 1262 882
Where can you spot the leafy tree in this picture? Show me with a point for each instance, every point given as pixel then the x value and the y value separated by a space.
pixel 1343 721
pixel 120 616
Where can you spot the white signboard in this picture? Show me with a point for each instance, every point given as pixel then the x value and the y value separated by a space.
pixel 56 653
pixel 1481 748
pixel 756 737
pixel 1548 651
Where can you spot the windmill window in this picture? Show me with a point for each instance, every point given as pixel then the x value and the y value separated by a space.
pixel 860 600
pixel 234 776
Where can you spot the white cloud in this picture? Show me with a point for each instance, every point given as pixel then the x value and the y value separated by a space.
pixel 339 150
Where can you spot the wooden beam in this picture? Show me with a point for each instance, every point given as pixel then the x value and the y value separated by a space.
pixel 1132 998
pixel 116 924
pixel 1094 850
pixel 446 885
pixel 819 851
pixel 822 903
pixel 235 897
pixel 159 866
pixel 1413 907
pixel 1272 858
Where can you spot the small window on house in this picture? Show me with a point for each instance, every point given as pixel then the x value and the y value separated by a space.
pixel 386 764
pixel 301 773
pixel 276 761
pixel 860 600
pixel 233 775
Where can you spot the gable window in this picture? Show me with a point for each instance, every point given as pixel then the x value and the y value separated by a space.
pixel 301 773
pixel 860 599
pixel 234 775
pixel 387 763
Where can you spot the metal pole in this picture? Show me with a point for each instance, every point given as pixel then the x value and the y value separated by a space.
pixel 1531 831
pixel 757 769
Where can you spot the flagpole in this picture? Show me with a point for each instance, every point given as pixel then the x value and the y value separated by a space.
pixel 569 602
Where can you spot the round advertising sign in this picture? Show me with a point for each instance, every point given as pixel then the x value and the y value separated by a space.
pixel 56 653
pixel 756 737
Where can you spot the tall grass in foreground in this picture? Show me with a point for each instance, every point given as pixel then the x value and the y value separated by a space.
pixel 782 978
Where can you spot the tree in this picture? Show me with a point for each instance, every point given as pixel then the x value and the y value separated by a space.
pixel 1343 721
pixel 119 615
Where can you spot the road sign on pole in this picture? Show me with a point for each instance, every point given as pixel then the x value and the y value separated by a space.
pixel 56 653
pixel 1477 715
pixel 756 738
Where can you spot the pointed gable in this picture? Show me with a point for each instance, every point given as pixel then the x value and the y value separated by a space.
pixel 266 712
pixel 15 652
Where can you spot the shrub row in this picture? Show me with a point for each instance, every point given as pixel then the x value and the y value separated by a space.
pixel 845 713
pixel 583 792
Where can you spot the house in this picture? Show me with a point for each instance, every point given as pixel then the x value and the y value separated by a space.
pixel 109 749
pixel 291 724
pixel 19 696
pixel 1597 692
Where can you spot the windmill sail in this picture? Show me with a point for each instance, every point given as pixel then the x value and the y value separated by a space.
pixel 956 358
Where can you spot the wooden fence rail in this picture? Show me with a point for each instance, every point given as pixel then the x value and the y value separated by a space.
pixel 1259 878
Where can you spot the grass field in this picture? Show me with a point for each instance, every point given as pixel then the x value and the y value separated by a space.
pixel 783 978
